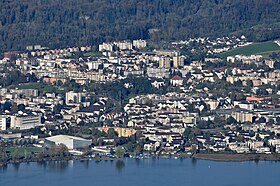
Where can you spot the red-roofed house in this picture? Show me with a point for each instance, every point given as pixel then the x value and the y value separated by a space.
pixel 176 81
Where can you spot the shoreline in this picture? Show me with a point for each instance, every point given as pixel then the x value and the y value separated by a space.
pixel 199 156
pixel 236 157
pixel 3 164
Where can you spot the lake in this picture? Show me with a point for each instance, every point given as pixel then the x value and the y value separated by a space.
pixel 132 172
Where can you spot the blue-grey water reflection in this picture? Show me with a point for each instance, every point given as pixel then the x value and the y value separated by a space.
pixel 135 172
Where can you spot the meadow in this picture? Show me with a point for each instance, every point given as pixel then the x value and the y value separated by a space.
pixel 264 48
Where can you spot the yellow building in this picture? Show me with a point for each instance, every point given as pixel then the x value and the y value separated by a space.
pixel 189 120
pixel 242 116
pixel 122 132
pixel 213 104
pixel 164 62
pixel 230 79
pixel 178 61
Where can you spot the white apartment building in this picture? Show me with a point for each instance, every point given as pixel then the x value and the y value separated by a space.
pixel 21 122
pixel 5 122
pixel 139 43
pixel 73 97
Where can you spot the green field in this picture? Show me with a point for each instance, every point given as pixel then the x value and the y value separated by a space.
pixel 93 54
pixel 40 87
pixel 265 49
pixel 21 150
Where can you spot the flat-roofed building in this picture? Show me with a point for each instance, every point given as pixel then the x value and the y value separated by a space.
pixel 164 62
pixel 71 142
pixel 178 61
pixel 122 132
pixel 139 43
pixel 26 121
pixel 73 97
pixel 243 116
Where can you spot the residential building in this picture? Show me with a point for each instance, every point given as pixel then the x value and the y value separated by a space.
pixel 176 81
pixel 164 62
pixel 25 121
pixel 73 97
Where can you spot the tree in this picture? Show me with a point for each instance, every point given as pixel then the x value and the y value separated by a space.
pixel 186 133
pixel 129 146
pixel 57 109
pixel 194 148
pixel 238 83
pixel 261 91
pixel 7 106
pixel 249 83
pixel 258 137
pixel 52 151
pixel 277 65
pixel 265 142
pixel 219 121
pixel 120 152
pixel 139 149
pixel 59 83
pixel 112 133
pixel 240 138
pixel 63 151
pixel 207 136
pixel 16 154
pixel 21 107
pixel 240 97
pixel 3 153
pixel 231 120
pixel 14 108
pixel 191 107
pixel 270 121
pixel 278 120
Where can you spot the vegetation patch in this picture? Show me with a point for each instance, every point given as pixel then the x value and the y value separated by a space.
pixel 264 48
pixel 22 151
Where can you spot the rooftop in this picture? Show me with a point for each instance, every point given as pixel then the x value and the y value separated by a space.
pixel 59 138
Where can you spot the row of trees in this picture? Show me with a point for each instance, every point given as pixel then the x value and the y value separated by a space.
pixel 57 151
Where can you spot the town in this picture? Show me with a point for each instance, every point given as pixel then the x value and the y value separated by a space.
pixel 131 99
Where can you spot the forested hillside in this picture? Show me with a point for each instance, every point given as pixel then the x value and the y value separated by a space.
pixel 58 23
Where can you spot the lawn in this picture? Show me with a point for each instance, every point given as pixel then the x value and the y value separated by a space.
pixel 21 150
pixel 30 86
pixel 93 54
pixel 38 86
pixel 264 48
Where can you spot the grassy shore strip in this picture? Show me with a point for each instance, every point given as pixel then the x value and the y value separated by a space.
pixel 237 157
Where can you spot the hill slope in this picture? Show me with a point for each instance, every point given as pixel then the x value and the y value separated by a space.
pixel 264 48
pixel 58 23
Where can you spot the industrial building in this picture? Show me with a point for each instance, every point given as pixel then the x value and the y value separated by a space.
pixel 71 142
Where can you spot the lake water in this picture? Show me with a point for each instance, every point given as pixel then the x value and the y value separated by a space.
pixel 131 172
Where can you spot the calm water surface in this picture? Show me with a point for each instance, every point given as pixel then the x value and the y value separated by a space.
pixel 131 172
